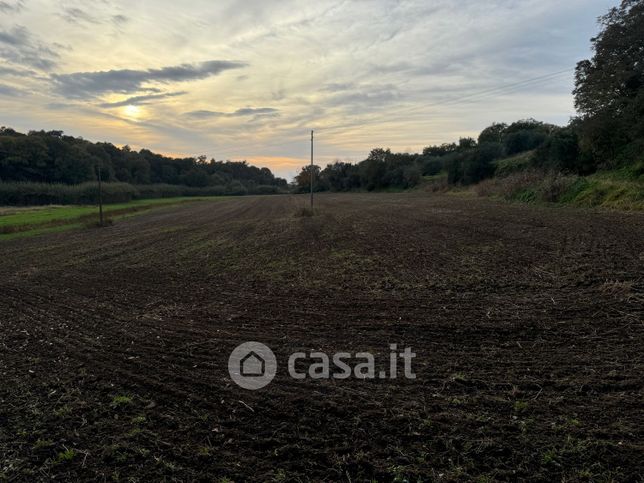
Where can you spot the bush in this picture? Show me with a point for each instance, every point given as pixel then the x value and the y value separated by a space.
pixel 519 162
pixel 161 191
pixel 437 183
pixel 411 176
pixel 561 152
pixel 597 190
pixel 511 187
pixel 555 186
pixel 472 166
pixel 265 190
pixel 431 166
pixel 25 194
pixel 454 167
pixel 34 194
pixel 525 140
pixel 236 189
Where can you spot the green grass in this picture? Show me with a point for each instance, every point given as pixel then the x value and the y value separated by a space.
pixel 631 172
pixel 40 215
pixel 119 401
pixel 33 221
pixel 442 176
pixel 606 190
pixel 521 406
pixel 619 190
pixel 40 231
pixel 436 182
pixel 513 164
pixel 42 444
pixel 65 456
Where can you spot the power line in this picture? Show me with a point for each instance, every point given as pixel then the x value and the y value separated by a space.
pixel 502 89
pixel 419 109
pixel 457 100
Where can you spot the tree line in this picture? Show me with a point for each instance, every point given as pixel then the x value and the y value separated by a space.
pixel 608 132
pixel 53 157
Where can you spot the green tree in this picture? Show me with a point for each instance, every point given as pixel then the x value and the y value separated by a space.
pixel 493 134
pixel 196 177
pixel 466 143
pixel 561 152
pixel 303 179
pixel 609 88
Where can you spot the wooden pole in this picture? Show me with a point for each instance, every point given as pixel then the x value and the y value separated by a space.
pixel 100 197
pixel 311 170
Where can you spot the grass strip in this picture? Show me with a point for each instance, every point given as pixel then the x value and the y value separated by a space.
pixel 29 222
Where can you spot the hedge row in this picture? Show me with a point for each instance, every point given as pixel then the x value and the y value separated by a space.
pixel 31 194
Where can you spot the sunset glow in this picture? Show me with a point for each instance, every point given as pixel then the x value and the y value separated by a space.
pixel 249 80
pixel 132 112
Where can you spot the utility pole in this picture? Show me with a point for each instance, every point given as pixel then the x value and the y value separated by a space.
pixel 312 172
pixel 100 196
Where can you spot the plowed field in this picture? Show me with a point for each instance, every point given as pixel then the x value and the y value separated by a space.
pixel 527 322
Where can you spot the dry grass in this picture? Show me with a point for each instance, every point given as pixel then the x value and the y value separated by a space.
pixel 306 212
pixel 621 290
pixel 435 184
pixel 510 187
pixel 538 186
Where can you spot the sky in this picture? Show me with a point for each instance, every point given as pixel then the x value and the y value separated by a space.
pixel 249 80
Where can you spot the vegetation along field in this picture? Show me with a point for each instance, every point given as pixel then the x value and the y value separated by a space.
pixel 526 321
pixel 20 222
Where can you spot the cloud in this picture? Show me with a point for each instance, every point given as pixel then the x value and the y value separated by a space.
pixel 18 46
pixel 250 111
pixel 90 84
pixel 77 16
pixel 59 106
pixel 16 37
pixel 371 96
pixel 12 7
pixel 245 111
pixel 338 86
pixel 6 90
pixel 140 100
pixel 119 20
pixel 16 72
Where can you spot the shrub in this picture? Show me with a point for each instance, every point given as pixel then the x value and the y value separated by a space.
pixel 561 152
pixel 25 194
pixel 265 190
pixel 454 167
pixel 235 188
pixel 472 166
pixel 431 166
pixel 524 140
pixel 554 186
pixel 519 162
pixel 411 176
pixel 515 186
pixel 596 190
pixel 161 191
pixel 34 194
pixel 436 184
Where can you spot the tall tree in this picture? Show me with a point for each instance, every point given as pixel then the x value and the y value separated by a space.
pixel 609 88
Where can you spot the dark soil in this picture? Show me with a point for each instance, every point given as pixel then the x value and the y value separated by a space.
pixel 527 321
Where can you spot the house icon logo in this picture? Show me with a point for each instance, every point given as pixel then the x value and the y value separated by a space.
pixel 252 365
